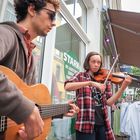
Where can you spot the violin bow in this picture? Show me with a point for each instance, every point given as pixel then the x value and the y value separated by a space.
pixel 111 69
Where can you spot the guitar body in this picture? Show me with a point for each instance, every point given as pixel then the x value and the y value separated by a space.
pixel 38 93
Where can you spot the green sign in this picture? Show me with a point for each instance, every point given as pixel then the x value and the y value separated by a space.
pixel 71 64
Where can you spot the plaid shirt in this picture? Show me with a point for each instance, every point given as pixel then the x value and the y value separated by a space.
pixel 86 102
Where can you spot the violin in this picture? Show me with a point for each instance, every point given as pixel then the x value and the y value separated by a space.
pixel 116 77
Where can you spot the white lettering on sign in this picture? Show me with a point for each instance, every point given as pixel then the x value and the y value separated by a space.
pixel 71 60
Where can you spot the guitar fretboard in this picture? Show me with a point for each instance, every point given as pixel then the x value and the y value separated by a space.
pixel 47 111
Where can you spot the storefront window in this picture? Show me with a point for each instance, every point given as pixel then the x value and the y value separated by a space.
pixel 38 53
pixel 68 48
pixel 67 61
pixel 67 39
pixel 78 9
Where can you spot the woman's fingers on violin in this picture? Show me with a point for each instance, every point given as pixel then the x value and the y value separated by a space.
pixel 128 79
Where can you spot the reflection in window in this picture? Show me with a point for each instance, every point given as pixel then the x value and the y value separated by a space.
pixel 38 53
pixel 68 40
pixel 58 72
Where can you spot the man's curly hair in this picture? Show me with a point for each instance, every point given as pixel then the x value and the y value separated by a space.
pixel 21 6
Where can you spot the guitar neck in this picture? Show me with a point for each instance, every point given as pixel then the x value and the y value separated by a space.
pixel 47 111
pixel 41 96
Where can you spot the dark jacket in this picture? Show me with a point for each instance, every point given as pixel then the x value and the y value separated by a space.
pixel 13 54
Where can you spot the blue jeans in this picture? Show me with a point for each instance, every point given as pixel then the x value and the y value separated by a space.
pixel 98 134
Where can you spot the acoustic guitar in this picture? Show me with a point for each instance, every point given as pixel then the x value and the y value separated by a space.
pixel 40 95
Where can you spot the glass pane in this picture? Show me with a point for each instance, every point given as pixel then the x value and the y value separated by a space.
pixel 67 39
pixel 38 53
pixel 81 13
pixel 70 5
pixel 78 9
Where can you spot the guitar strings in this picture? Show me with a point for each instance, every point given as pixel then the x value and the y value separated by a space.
pixel 54 111
pixel 45 111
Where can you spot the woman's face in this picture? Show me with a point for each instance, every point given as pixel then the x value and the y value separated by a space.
pixel 94 63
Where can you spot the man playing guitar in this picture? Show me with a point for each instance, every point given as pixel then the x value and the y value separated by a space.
pixel 34 18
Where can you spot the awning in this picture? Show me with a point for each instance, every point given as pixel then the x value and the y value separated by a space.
pixel 126 32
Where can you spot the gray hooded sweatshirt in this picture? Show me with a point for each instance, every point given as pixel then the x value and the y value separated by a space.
pixel 13 54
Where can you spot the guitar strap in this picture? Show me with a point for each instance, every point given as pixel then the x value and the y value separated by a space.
pixel 3 127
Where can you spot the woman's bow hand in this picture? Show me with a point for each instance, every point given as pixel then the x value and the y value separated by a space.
pixel 99 86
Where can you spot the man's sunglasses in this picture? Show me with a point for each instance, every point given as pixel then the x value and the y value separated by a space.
pixel 52 14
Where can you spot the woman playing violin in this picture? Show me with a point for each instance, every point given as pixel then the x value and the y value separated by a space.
pixel 92 98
